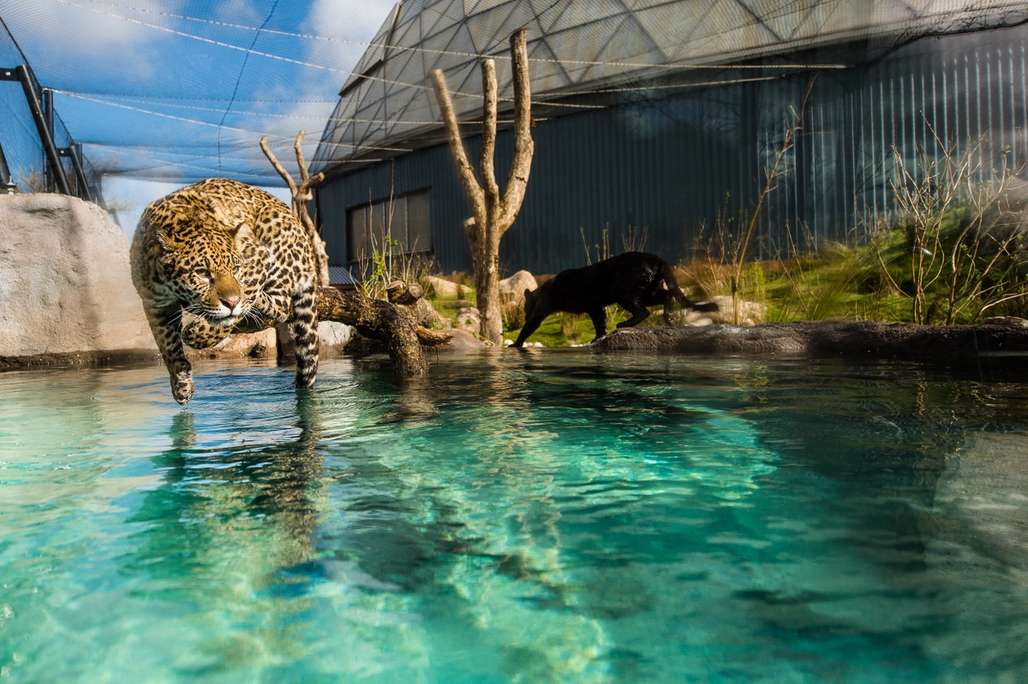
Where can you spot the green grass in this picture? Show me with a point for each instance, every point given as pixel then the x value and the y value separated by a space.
pixel 839 283
pixel 449 308
pixel 564 329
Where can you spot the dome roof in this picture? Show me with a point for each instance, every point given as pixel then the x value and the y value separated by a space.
pixel 578 47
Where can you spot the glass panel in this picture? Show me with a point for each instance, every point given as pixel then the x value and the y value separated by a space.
pixel 358 220
pixel 378 222
pixel 419 228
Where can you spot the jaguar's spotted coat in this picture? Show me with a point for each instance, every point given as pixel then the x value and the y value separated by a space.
pixel 229 254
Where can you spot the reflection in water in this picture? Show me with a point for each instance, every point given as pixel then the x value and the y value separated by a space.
pixel 541 517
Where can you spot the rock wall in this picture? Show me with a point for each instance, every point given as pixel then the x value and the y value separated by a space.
pixel 65 282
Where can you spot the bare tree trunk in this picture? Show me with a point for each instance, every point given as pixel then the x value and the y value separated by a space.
pixel 492 213
pixel 487 287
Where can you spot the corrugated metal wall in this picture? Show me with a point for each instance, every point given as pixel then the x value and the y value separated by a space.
pixel 669 166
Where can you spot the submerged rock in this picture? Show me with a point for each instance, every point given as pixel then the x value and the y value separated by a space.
pixel 65 283
pixel 985 483
pixel 828 338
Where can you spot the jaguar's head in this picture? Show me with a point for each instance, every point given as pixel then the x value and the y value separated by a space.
pixel 203 268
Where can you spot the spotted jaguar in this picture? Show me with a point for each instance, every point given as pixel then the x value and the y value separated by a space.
pixel 221 255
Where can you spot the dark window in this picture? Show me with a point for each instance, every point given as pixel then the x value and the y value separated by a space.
pixel 402 220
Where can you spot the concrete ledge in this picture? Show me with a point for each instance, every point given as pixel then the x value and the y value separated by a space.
pixel 829 338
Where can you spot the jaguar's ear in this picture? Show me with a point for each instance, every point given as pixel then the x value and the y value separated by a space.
pixel 241 234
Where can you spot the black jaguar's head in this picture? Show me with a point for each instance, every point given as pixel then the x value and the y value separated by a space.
pixel 536 302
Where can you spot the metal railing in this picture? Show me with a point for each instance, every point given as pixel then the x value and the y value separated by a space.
pixel 37 153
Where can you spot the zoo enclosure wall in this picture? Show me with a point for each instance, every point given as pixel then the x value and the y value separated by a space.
pixel 25 161
pixel 669 164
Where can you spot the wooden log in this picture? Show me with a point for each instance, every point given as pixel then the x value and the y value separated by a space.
pixel 384 321
pixel 408 294
pixel 377 319
pixel 391 323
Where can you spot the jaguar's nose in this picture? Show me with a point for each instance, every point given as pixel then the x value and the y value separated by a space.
pixel 230 302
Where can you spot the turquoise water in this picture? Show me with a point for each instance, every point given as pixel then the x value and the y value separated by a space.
pixel 518 517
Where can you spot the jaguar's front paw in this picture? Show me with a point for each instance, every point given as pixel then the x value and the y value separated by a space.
pixel 182 387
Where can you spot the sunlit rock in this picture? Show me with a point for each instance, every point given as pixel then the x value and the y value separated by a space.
pixel 65 281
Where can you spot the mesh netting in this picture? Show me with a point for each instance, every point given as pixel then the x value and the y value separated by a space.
pixel 22 148
pixel 587 53
pixel 179 90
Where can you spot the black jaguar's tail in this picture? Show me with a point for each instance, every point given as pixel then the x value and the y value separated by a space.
pixel 667 274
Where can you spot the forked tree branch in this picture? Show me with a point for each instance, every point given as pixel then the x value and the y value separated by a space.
pixel 464 169
pixel 301 194
pixel 266 149
pixel 493 214
pixel 486 163
pixel 524 146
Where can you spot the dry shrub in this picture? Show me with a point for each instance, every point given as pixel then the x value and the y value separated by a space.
pixel 958 250
pixel 569 325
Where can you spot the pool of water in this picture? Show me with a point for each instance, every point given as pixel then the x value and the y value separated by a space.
pixel 542 516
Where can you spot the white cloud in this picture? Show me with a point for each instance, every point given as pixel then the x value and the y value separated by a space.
pixel 239 12
pixel 87 33
pixel 353 23
pixel 348 20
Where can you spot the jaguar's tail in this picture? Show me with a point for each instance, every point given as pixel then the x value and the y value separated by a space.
pixel 667 274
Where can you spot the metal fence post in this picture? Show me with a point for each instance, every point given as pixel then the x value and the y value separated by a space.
pixel 47 105
pixel 45 137
pixel 6 183
pixel 75 154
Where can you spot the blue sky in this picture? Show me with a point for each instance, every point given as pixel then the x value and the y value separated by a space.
pixel 165 93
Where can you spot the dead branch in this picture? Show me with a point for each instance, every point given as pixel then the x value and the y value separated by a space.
pixel 301 194
pixel 492 213
pixel 380 320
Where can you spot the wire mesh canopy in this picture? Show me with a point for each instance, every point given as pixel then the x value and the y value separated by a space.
pixel 593 48
pixel 178 90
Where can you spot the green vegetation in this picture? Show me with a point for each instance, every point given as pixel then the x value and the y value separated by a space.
pixel 870 282
pixel 839 282
pixel 564 329
pixel 956 253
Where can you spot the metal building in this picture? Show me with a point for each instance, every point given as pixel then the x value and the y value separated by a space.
pixel 653 117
